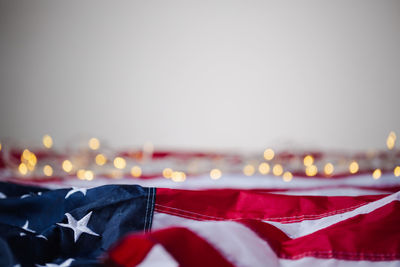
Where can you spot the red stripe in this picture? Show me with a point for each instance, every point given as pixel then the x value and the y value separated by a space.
pixel 230 204
pixel 187 248
pixel 374 236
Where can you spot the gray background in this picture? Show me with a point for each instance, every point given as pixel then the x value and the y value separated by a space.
pixel 201 74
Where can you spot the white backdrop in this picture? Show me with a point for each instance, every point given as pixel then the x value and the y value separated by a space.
pixel 201 74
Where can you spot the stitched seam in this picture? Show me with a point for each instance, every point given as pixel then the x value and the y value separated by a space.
pixel 294 218
pixel 152 207
pixel 147 205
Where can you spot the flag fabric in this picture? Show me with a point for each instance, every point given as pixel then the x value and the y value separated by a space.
pixel 235 220
pixel 71 226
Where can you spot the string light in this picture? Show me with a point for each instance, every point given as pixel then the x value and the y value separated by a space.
pixel 88 175
pixel 94 143
pixel 81 174
pixel 100 159
pixel 396 171
pixel 178 176
pixel 119 163
pixel 67 166
pixel 377 174
pixel 311 170
pixel 136 171
pixel 391 140
pixel 215 174
pixel 248 170
pixel 308 160
pixel 287 176
pixel 353 167
pixel 47 141
pixel 328 168
pixel 269 154
pixel 264 168
pixel 48 170
pixel 277 170
pixel 23 169
pixel 167 173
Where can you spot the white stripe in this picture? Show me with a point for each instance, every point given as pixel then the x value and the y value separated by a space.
pixel 158 256
pixel 295 230
pixel 310 261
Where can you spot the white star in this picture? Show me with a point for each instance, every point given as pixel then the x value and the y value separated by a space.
pixel 64 264
pixel 78 227
pixel 24 196
pixel 75 189
pixel 2 195
pixel 26 227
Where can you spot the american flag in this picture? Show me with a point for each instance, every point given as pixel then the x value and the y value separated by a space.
pixel 237 220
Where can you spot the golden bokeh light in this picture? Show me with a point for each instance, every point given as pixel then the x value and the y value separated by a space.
pixel 287 176
pixel 167 173
pixel 308 160
pixel 67 166
pixel 215 174
pixel 311 170
pixel 136 171
pixel 23 169
pixel 377 174
pixel 328 168
pixel 248 170
pixel 119 163
pixel 88 175
pixel 48 170
pixel 269 154
pixel 47 141
pixel 81 174
pixel 396 171
pixel 353 167
pixel 277 170
pixel 391 140
pixel 0 146
pixel 94 143
pixel 178 176
pixel 264 168
pixel 100 159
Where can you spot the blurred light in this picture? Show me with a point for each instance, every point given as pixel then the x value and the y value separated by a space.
pixel 353 167
pixel 248 170
pixel 25 154
pixel 88 175
pixel 48 170
pixel 23 169
pixel 67 165
pixel 100 159
pixel 287 176
pixel 167 173
pixel 391 140
pixel 328 169
pixel 311 170
pixel 178 176
pixel 94 143
pixel 269 154
pixel 47 141
pixel 80 174
pixel 377 174
pixel 136 171
pixel 119 163
pixel 277 170
pixel 396 171
pixel 264 168
pixel 215 174
pixel 308 160
pixel 0 147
